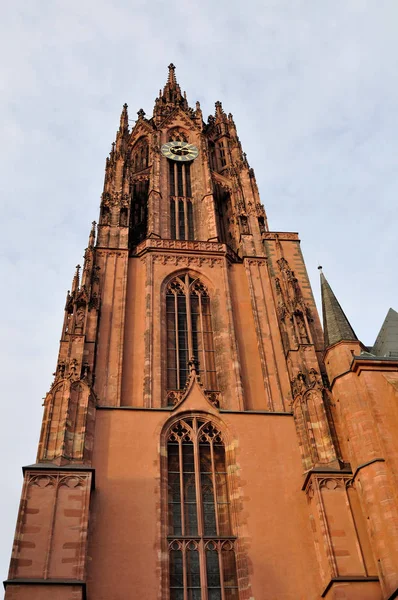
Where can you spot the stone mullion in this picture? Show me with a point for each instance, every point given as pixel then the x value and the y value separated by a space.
pixel 184 182
pixel 177 350
pixel 184 570
pixel 176 200
pixel 203 569
pixel 186 224
pixel 204 370
pixel 189 317
pixel 213 478
pixel 176 208
pixel 181 464
pixel 220 566
pixel 198 486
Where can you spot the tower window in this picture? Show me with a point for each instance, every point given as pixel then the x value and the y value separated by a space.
pixel 261 224
pixel 201 546
pixel 138 212
pixel 189 333
pixel 140 155
pixel 181 210
pixel 222 154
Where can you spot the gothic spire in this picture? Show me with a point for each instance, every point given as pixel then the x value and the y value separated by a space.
pixel 336 326
pixel 171 94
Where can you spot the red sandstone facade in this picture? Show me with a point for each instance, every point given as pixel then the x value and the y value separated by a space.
pixel 297 498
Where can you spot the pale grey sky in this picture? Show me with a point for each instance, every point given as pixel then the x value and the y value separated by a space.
pixel 313 87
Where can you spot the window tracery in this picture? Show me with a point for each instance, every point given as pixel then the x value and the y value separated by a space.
pixel 177 135
pixel 201 543
pixel 189 333
pixel 140 155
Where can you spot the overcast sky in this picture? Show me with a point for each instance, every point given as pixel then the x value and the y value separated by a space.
pixel 313 88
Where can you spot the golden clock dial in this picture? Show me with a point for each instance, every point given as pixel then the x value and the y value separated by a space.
pixel 180 151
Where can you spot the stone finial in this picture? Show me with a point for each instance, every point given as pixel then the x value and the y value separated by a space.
pixel 76 279
pixel 124 119
pixel 91 239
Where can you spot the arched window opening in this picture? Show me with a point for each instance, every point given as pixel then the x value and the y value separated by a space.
pixel 261 224
pixel 212 156
pixel 140 155
pixel 181 209
pixel 201 544
pixel 138 212
pixel 226 219
pixel 222 155
pixel 105 215
pixel 189 333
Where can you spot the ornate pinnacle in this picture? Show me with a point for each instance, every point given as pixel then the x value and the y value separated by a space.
pixel 219 110
pixel 91 239
pixel 171 80
pixel 76 279
pixel 141 113
pixel 124 119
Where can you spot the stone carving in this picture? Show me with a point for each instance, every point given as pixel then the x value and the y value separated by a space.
pixel 213 397
pixel 80 316
pixel 73 370
pixel 174 397
pixel 304 382
pixel 272 235
pixel 181 245
pixel 187 261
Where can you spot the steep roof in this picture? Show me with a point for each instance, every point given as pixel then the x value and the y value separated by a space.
pixel 386 343
pixel 336 326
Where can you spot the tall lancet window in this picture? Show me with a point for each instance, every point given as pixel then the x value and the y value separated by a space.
pixel 180 190
pixel 189 333
pixel 201 543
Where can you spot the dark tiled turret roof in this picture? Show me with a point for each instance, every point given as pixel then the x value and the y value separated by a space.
pixel 336 326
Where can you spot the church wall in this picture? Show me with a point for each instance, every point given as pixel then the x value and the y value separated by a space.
pixel 113 270
pixel 44 592
pixel 250 364
pixel 271 511
pixel 134 348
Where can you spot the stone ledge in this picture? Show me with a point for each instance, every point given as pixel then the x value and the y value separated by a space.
pixel 62 468
pixel 345 470
pixel 393 595
pixel 62 582
pixel 348 579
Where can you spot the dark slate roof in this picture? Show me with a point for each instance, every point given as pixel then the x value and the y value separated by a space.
pixel 336 326
pixel 386 343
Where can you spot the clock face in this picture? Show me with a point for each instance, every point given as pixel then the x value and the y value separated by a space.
pixel 180 151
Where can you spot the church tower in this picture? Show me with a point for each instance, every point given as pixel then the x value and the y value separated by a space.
pixel 195 445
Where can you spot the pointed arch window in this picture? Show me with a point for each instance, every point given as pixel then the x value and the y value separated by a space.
pixel 180 190
pixel 201 546
pixel 140 155
pixel 189 333
pixel 181 209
